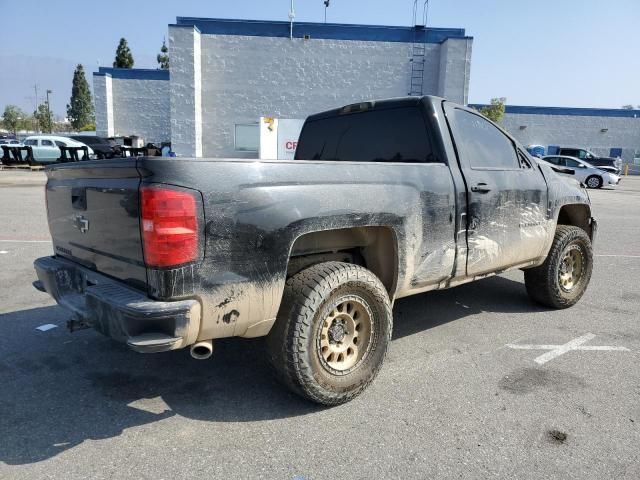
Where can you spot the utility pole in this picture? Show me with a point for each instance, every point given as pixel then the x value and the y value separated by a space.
pixel 326 5
pixel 35 110
pixel 292 15
pixel 49 112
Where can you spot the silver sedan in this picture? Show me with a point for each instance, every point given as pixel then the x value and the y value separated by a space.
pixel 584 172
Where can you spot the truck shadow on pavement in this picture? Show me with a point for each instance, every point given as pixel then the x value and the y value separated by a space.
pixel 59 390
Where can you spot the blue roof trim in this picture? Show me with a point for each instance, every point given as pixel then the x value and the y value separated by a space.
pixel 134 73
pixel 576 112
pixel 330 31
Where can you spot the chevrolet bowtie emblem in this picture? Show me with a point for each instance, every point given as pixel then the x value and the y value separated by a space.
pixel 81 223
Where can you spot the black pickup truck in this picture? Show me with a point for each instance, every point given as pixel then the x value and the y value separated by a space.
pixel 384 199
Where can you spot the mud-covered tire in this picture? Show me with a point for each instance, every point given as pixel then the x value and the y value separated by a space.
pixel 545 283
pixel 296 345
pixel 593 181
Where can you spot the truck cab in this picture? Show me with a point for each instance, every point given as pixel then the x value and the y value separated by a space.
pixel 384 199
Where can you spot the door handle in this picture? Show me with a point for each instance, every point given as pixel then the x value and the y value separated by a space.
pixel 480 188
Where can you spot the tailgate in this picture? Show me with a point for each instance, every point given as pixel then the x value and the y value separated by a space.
pixel 93 213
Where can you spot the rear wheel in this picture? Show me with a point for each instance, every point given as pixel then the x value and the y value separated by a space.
pixel 594 181
pixel 564 276
pixel 332 332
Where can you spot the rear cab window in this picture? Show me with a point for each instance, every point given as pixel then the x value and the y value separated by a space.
pixel 397 135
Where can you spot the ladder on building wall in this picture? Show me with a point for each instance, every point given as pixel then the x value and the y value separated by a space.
pixel 418 51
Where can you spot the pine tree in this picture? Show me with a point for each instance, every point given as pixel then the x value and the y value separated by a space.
pixel 163 57
pixel 124 59
pixel 80 107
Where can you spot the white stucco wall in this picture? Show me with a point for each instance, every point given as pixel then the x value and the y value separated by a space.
pixel 185 91
pixel 103 105
pixel 244 78
pixel 218 81
pixel 141 107
pixel 126 107
pixel 577 131
pixel 454 71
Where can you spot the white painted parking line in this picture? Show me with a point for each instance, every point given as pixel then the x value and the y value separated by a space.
pixel 620 256
pixel 25 241
pixel 2 252
pixel 557 350
pixel 155 405
pixel 46 327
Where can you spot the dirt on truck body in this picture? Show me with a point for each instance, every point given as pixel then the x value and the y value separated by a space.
pixel 383 200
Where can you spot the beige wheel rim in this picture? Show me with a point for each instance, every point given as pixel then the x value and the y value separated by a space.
pixel 571 268
pixel 345 335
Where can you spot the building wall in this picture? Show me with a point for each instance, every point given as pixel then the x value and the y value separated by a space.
pixel 133 102
pixel 232 72
pixel 103 99
pixel 185 91
pixel 454 71
pixel 244 78
pixel 577 131
pixel 141 107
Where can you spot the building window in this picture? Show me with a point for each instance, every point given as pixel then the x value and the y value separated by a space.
pixel 247 137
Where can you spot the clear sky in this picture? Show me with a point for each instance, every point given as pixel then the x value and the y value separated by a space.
pixel 580 53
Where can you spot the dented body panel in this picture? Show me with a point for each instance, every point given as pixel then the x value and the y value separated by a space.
pixel 418 226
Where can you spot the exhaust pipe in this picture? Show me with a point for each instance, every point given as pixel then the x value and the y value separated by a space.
pixel 202 350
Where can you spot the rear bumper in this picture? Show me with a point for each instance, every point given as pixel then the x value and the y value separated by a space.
pixel 116 310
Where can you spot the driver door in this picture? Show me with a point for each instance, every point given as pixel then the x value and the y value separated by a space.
pixel 506 195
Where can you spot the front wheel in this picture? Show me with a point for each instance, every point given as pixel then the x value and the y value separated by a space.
pixel 594 182
pixel 564 276
pixel 332 332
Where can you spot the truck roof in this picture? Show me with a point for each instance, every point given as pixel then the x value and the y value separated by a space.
pixel 375 105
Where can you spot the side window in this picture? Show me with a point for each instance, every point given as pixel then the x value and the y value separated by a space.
pixel 554 160
pixel 46 143
pixel 385 135
pixel 572 163
pixel 582 154
pixel 482 144
pixel 60 144
pixel 33 143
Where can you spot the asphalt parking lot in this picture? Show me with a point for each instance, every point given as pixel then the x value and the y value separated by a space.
pixel 461 394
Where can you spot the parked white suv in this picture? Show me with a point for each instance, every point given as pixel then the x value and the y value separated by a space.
pixel 46 148
pixel 592 177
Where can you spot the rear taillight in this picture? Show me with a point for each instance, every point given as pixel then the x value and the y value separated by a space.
pixel 169 226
